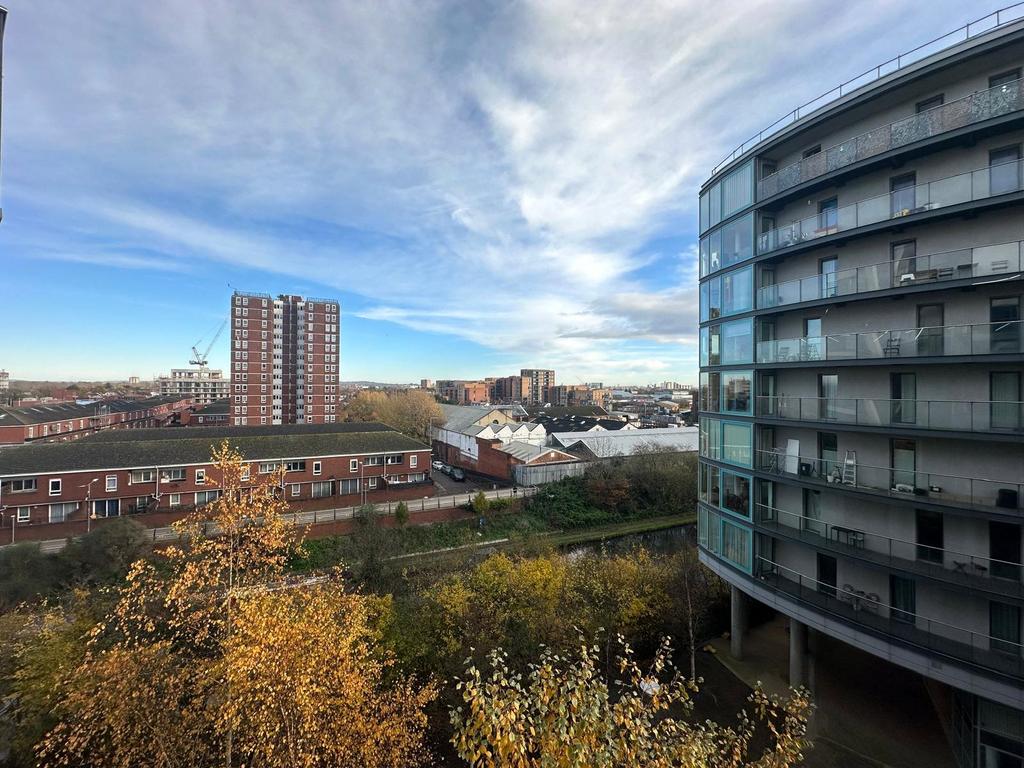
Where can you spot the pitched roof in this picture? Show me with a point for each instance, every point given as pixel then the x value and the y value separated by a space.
pixel 526 452
pixel 459 417
pixel 559 411
pixel 220 407
pixel 193 446
pixel 47 412
pixel 576 423
pixel 624 442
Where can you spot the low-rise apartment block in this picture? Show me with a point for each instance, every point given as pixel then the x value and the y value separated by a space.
pixel 201 385
pixel 63 421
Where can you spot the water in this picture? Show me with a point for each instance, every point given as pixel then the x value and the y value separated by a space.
pixel 664 541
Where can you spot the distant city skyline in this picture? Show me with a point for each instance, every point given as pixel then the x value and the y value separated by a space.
pixel 483 187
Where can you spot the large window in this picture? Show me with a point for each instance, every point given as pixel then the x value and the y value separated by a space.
pixel 738 342
pixel 710 384
pixel 737 443
pixel 709 345
pixel 709 435
pixel 725 538
pixel 736 494
pixel 738 241
pixel 323 489
pixel 736 391
pixel 738 189
pixel 737 291
pixel 348 487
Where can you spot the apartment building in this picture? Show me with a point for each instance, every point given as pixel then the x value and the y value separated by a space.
pixel 541 379
pixel 861 424
pixel 201 385
pixel 284 359
pixel 169 470
pixel 60 422
pixel 510 389
pixel 462 392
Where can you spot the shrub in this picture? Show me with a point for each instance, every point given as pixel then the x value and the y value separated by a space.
pixel 401 514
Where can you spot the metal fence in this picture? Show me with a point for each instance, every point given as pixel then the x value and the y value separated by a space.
pixel 324 516
pixel 541 474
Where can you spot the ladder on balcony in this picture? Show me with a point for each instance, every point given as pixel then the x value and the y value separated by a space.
pixel 850 468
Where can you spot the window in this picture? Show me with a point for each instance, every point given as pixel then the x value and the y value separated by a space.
pixel 903 598
pixel 374 461
pixel 61 512
pixel 737 442
pixel 1004 550
pixel 902 194
pixel 737 293
pixel 904 261
pixel 738 240
pixel 738 342
pixel 736 494
pixel 1005 397
pixel 828 214
pixel 738 189
pixel 22 485
pixel 929 103
pixel 111 483
pixel 268 467
pixel 827 575
pixel 316 467
pixel 348 487
pixel 736 391
pixel 294 489
pixel 903 391
pixel 55 487
pixel 174 500
pixel 931 336
pixel 413 461
pixel 904 465
pixel 394 458
pixel 1004 627
pixel 828 453
pixel 206 497
pixel 353 465
pixel 106 508
pixel 245 472
pixel 710 353
pixel 1004 78
pixel 372 482
pixel 709 436
pixel 929 536
pixel 1004 170
pixel 295 466
pixel 710 383
pixel 811 151
pixel 24 514
pixel 828 396
pixel 323 489
pixel 201 477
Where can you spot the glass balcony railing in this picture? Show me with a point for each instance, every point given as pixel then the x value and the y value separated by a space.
pixel 955 415
pixel 900 624
pixel 974 571
pixel 934 341
pixel 984 261
pixel 980 184
pixel 970 110
pixel 898 482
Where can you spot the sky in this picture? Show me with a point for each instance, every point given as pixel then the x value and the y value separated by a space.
pixel 483 186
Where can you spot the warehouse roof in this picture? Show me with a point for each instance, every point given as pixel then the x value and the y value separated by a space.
pixel 193 446
pixel 625 442
pixel 47 412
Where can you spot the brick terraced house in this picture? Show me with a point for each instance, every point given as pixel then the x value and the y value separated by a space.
pixel 60 422
pixel 169 470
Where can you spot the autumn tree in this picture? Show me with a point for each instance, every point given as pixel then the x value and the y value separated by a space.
pixel 168 678
pixel 564 713
pixel 411 412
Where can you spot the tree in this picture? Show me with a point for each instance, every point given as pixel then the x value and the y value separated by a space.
pixel 168 677
pixel 696 590
pixel 106 553
pixel 401 514
pixel 411 412
pixel 480 503
pixel 564 713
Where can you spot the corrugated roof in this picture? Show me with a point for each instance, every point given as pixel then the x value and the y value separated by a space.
pixel 527 452
pixel 624 442
pixel 193 446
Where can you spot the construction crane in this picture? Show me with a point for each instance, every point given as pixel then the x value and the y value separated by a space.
pixel 199 358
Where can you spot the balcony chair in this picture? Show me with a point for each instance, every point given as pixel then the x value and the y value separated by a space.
pixel 891 348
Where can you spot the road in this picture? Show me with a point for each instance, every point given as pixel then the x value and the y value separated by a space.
pixel 472 483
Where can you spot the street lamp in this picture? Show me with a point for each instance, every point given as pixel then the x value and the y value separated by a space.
pixel 88 492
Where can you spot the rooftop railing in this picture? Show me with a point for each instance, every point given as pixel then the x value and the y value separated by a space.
pixel 981 261
pixel 1007 15
pixel 934 341
pixel 985 416
pixel 896 482
pixel 979 184
pixel 974 571
pixel 977 107
pixel 897 623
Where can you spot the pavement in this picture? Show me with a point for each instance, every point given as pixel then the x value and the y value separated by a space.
pixel 868 713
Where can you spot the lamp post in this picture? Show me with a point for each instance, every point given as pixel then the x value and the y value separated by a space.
pixel 88 514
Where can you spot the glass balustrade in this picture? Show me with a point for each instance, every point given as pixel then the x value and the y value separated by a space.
pixel 965 187
pixel 1004 496
pixel 984 261
pixel 976 571
pixel 868 611
pixel 984 105
pixel 955 415
pixel 935 341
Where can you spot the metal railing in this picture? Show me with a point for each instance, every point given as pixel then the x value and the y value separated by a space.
pixel 977 184
pixel 975 108
pixel 929 341
pixel 954 415
pixel 901 624
pixel 981 261
pixel 1000 576
pixel 910 484
pixel 1006 15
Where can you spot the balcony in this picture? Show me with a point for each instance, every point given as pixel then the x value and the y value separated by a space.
pixel 984 261
pixel 911 485
pixel 981 184
pixel 867 611
pixel 986 416
pixel 934 341
pixel 970 110
pixel 970 571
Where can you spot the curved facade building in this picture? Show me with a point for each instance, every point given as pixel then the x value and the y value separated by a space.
pixel 861 339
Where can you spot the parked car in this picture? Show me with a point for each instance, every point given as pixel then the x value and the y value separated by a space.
pixel 446 469
pixel 458 474
pixel 437 465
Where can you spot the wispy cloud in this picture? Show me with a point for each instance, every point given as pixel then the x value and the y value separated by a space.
pixel 522 176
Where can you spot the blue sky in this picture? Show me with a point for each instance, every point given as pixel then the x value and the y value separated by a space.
pixel 484 186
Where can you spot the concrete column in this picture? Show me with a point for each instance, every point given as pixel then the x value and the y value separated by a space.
pixel 738 626
pixel 797 653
